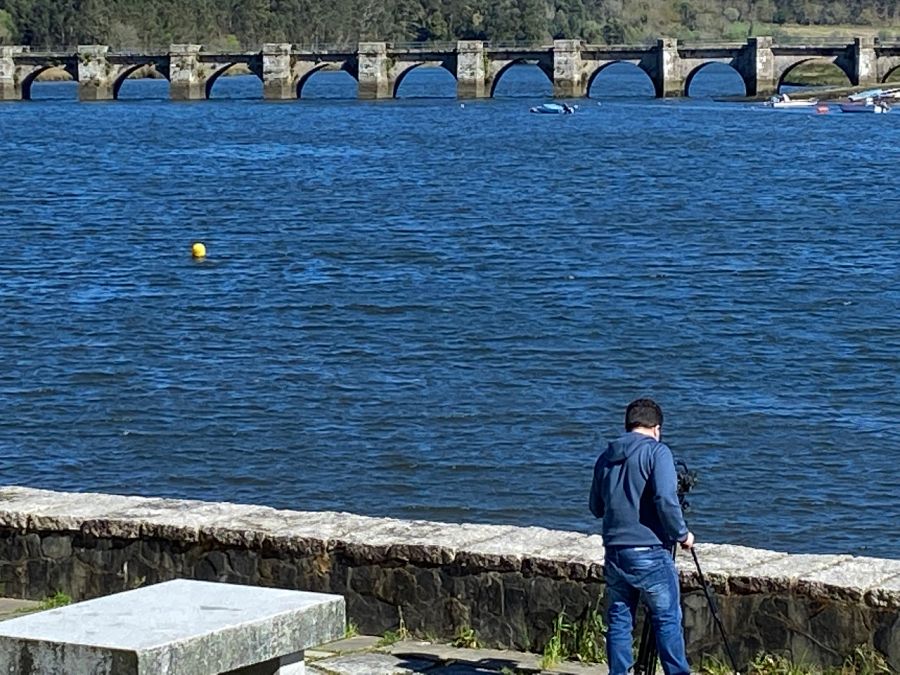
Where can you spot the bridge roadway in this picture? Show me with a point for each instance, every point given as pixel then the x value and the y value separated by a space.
pixel 379 67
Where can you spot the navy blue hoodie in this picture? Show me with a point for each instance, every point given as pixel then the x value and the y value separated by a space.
pixel 635 493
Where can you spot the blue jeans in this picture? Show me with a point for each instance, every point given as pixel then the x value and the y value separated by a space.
pixel 648 572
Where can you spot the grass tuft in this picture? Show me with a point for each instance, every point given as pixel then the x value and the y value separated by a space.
pixel 466 638
pixel 862 661
pixel 59 599
pixel 392 636
pixel 580 640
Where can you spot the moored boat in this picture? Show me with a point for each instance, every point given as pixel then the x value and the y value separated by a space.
pixel 785 101
pixel 552 109
pixel 870 106
pixel 862 96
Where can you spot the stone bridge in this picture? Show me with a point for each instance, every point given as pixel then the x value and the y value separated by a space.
pixel 379 67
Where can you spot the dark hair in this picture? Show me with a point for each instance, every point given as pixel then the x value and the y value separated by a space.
pixel 644 412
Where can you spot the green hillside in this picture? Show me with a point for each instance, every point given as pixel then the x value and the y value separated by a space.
pixel 247 23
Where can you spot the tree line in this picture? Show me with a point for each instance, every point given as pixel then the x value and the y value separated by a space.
pixel 247 23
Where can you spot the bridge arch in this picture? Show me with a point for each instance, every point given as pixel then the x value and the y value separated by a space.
pixel 128 72
pixel 221 70
pixel 890 71
pixel 837 62
pixel 637 64
pixel 30 77
pixel 545 68
pixel 304 78
pixel 703 66
pixel 401 74
pixel 304 72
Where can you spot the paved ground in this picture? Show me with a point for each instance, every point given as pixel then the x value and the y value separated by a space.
pixel 366 655
pixel 10 608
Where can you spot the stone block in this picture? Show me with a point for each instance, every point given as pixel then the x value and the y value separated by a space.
pixel 504 548
pixel 181 626
pixel 852 578
pixel 781 574
pixel 56 547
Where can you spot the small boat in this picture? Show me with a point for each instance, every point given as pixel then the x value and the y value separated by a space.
pixel 552 109
pixel 861 96
pixel 785 101
pixel 870 106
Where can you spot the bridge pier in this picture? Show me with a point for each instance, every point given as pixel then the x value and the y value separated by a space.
pixel 373 71
pixel 757 67
pixel 865 60
pixel 186 75
pixel 279 83
pixel 568 69
pixel 470 69
pixel 10 89
pixel 669 76
pixel 96 76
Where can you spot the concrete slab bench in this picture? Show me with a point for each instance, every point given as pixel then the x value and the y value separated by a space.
pixel 180 627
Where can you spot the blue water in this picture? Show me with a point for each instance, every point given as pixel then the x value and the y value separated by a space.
pixel 424 309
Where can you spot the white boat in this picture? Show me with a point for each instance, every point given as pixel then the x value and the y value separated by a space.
pixel 553 109
pixel 862 96
pixel 870 106
pixel 785 101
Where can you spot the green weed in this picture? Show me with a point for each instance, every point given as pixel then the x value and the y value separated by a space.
pixel 581 640
pixel 392 636
pixel 555 649
pixel 862 661
pixel 59 599
pixel 466 638
pixel 865 661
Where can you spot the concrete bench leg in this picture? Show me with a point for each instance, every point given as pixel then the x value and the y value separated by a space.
pixel 292 664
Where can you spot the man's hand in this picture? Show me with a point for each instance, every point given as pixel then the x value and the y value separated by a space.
pixel 688 542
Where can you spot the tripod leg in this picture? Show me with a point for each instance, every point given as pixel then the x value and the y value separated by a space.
pixel 646 658
pixel 710 599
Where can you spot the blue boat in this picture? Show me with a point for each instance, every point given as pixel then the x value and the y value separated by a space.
pixel 552 109
pixel 877 106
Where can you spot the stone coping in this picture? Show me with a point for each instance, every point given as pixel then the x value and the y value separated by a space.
pixel 178 611
pixel 502 548
pixel 179 626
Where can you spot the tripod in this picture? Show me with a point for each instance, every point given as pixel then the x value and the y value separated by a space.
pixel 645 663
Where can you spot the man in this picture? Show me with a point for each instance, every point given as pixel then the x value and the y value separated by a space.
pixel 634 491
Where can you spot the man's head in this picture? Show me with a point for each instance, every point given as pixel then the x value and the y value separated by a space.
pixel 644 416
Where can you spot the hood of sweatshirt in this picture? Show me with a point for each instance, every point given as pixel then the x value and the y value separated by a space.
pixel 626 445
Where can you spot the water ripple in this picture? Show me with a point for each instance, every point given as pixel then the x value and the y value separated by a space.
pixel 416 309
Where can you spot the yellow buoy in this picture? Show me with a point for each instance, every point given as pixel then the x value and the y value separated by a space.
pixel 198 250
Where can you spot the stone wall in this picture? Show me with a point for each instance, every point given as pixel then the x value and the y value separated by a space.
pixel 507 583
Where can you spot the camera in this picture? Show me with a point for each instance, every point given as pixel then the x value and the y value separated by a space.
pixel 686 481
